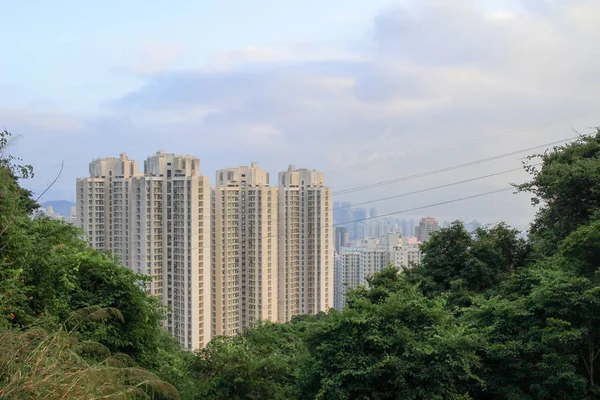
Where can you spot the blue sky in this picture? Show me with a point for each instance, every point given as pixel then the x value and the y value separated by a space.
pixel 71 50
pixel 74 55
pixel 368 86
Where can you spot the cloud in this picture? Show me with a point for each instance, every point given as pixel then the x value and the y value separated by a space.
pixel 252 56
pixel 154 58
pixel 39 120
pixel 409 97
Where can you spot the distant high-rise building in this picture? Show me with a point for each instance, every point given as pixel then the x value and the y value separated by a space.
pixel 375 256
pixel 356 264
pixel 426 226
pixel 406 253
pixel 373 213
pixel 349 274
pixel 359 214
pixel 52 214
pixel 244 249
pixel 341 238
pixel 306 248
pixel 357 223
pixel 408 227
pixel 156 223
pixel 342 214
pixel 392 240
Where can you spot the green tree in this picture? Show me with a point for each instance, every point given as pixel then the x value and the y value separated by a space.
pixel 454 258
pixel 62 273
pixel 14 200
pixel 567 189
pixel 391 342
pixel 536 334
pixel 261 364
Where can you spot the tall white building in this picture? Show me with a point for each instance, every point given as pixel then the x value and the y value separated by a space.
pixel 405 253
pixel 157 223
pixel 356 264
pixel 244 250
pixel 374 257
pixel 306 244
pixel 349 274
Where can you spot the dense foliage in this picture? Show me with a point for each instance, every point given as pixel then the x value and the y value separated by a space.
pixel 487 315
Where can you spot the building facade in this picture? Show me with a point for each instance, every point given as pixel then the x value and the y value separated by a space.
pixel 341 238
pixel 306 248
pixel 406 253
pixel 156 223
pixel 426 227
pixel 349 274
pixel 244 250
pixel 356 264
pixel 375 257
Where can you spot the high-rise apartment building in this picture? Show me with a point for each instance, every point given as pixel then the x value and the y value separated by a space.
pixel 306 248
pixel 342 213
pixel 244 250
pixel 426 227
pixel 341 238
pixel 349 274
pixel 157 223
pixel 393 239
pixel 405 253
pixel 375 257
pixel 356 264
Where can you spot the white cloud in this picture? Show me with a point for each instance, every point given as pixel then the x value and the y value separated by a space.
pixel 155 58
pixel 500 15
pixel 410 97
pixel 32 121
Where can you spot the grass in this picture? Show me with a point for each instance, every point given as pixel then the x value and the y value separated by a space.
pixel 36 364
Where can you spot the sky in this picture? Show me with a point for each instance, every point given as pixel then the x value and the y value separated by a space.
pixel 365 91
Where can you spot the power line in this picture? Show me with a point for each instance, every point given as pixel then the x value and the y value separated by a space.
pixel 209 217
pixel 427 189
pixel 428 206
pixel 446 169
pixel 468 141
pixel 430 189
pixel 391 213
pixel 414 192
pixel 440 170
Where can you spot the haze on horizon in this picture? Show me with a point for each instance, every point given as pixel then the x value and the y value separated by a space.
pixel 363 91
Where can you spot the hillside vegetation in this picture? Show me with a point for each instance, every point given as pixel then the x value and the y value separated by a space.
pixel 488 315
